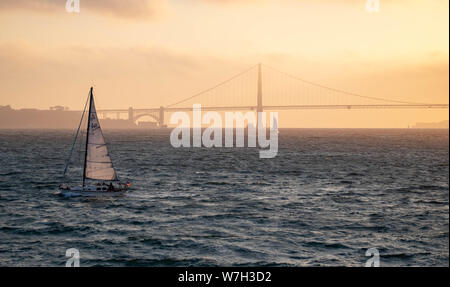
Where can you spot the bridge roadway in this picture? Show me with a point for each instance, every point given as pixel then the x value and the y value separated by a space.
pixel 293 107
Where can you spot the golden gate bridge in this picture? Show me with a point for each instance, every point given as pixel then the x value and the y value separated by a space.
pixel 261 88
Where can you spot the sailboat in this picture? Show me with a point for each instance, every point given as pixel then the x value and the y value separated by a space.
pixel 99 176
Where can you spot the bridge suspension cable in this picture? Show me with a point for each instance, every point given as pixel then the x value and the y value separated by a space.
pixel 283 90
pixel 280 91
pixel 212 88
pixel 342 91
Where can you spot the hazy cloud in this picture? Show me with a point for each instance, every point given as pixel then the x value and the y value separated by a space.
pixel 142 9
pixel 344 2
pixel 139 76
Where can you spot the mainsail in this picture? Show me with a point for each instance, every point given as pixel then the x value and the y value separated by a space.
pixel 98 164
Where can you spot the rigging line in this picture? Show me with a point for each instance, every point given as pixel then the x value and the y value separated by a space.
pixel 76 136
pixel 212 88
pixel 344 92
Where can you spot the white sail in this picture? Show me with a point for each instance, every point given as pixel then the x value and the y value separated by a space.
pixel 98 163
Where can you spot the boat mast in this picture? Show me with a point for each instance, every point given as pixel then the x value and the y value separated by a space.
pixel 87 135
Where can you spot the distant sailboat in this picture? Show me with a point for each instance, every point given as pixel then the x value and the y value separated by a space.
pixel 99 176
pixel 275 125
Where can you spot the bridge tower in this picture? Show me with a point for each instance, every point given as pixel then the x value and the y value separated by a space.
pixel 161 117
pixel 259 107
pixel 131 114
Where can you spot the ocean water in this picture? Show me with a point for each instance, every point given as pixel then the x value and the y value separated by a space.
pixel 325 199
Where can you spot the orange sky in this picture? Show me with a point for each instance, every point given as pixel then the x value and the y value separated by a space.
pixel 150 53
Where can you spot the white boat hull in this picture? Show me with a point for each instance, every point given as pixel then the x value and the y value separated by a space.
pixel 90 191
pixel 68 193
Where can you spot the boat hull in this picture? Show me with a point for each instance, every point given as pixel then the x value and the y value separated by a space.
pixel 69 193
pixel 90 192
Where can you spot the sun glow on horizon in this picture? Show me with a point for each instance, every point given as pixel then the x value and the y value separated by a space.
pixel 153 53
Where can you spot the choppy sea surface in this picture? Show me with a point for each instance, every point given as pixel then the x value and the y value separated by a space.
pixel 325 199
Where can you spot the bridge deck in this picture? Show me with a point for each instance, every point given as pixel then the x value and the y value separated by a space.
pixel 293 107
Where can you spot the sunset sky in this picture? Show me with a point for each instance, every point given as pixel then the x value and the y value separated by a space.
pixel 149 53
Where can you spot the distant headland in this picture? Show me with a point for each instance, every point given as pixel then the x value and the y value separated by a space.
pixel 435 125
pixel 57 117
